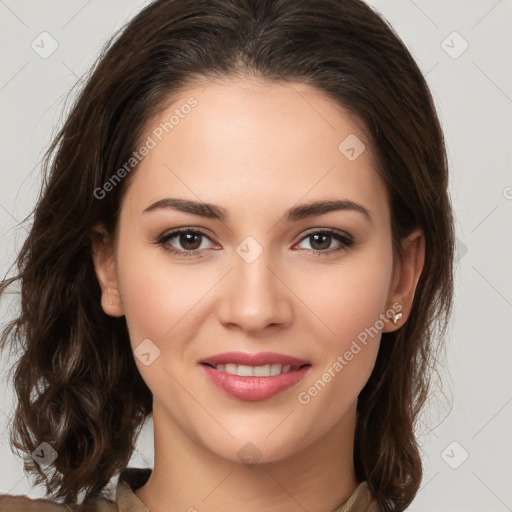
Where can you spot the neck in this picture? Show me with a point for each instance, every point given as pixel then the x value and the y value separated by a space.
pixel 188 477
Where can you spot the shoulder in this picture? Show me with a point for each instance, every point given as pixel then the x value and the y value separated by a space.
pixel 129 480
pixel 10 503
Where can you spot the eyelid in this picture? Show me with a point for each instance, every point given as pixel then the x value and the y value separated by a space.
pixel 347 241
pixel 340 232
pixel 172 233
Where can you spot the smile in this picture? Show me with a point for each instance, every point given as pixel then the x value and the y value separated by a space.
pixel 254 376
pixel 267 370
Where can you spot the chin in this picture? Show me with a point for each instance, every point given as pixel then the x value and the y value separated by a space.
pixel 257 445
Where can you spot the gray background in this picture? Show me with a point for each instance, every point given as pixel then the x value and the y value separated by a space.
pixel 465 433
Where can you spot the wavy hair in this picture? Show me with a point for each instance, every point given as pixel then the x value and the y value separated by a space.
pixel 76 381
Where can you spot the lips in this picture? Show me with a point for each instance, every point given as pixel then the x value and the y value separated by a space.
pixel 254 376
pixel 259 359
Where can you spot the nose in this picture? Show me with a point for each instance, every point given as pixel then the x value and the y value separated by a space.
pixel 254 296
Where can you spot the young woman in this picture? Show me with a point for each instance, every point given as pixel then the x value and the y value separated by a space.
pixel 246 234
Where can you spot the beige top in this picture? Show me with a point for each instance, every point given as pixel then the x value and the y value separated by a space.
pixel 126 500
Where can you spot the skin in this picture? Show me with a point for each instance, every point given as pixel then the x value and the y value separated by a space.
pixel 256 149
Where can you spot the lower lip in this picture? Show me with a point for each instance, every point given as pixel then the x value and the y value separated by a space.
pixel 254 388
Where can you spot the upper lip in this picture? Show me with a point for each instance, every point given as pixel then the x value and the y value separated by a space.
pixel 258 359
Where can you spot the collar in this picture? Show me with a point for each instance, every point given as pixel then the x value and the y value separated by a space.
pixel 129 481
pixel 133 478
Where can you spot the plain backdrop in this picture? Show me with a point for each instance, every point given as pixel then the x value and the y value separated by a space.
pixel 464 49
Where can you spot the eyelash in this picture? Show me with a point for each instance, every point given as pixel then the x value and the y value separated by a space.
pixel 345 241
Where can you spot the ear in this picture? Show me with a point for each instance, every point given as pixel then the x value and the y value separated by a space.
pixel 104 265
pixel 406 274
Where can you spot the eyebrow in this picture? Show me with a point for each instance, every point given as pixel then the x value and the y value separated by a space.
pixel 294 214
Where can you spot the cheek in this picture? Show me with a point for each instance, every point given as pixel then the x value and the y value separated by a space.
pixel 350 298
pixel 350 301
pixel 157 297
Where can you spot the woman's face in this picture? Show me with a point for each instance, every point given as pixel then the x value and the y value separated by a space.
pixel 248 278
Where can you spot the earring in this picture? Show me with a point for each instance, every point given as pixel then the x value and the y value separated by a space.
pixel 396 318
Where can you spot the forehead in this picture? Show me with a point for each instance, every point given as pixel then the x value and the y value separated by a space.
pixel 256 142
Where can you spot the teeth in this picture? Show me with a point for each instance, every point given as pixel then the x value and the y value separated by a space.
pixel 254 371
pixel 275 369
pixel 231 368
pixel 262 371
pixel 245 371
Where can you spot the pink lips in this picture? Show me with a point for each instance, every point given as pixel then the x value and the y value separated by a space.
pixel 253 387
pixel 259 359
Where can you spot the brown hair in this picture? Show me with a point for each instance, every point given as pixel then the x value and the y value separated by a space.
pixel 76 381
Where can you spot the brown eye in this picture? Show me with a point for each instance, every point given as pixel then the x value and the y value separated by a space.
pixel 321 242
pixel 184 242
pixel 190 241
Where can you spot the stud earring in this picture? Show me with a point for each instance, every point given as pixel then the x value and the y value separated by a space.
pixel 396 318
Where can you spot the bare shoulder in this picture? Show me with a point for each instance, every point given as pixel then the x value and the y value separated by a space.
pixel 9 503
